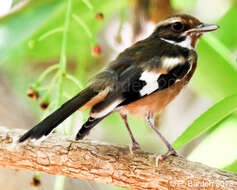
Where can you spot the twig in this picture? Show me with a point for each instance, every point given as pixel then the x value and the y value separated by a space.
pixel 110 164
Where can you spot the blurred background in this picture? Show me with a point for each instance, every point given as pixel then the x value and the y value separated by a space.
pixel 41 39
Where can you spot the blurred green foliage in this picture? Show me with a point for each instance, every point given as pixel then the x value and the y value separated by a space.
pixel 208 120
pixel 183 4
pixel 216 77
pixel 32 17
pixel 34 55
pixel 219 143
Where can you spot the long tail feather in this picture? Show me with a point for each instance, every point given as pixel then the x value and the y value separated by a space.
pixel 86 127
pixel 57 117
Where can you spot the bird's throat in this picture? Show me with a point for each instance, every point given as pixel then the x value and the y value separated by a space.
pixel 189 42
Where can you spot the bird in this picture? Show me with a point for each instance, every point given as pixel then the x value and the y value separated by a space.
pixel 141 81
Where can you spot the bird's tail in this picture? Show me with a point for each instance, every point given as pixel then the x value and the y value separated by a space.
pixel 53 120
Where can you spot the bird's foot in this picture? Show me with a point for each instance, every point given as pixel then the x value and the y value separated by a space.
pixel 162 157
pixel 135 146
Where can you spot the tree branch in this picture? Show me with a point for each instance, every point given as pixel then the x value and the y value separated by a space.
pixel 110 164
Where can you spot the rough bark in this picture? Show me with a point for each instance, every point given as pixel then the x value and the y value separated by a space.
pixel 110 164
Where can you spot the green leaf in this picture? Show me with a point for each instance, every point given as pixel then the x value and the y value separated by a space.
pixel 232 167
pixel 227 34
pixel 16 28
pixel 207 120
pixel 217 149
pixel 216 73
pixel 214 76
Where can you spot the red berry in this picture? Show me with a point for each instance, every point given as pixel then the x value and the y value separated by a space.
pixel 32 93
pixel 44 105
pixel 96 51
pixel 99 16
pixel 35 182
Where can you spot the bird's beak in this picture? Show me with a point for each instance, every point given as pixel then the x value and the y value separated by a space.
pixel 204 28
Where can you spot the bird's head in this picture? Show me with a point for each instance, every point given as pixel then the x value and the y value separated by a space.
pixel 183 30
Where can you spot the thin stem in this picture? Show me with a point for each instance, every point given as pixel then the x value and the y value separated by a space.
pixel 42 88
pixel 122 20
pixel 37 176
pixel 75 80
pixel 69 129
pixel 53 81
pixel 63 58
pixel 83 25
pixel 51 32
pixel 60 180
pixel 37 84
pixel 88 4
pixel 47 71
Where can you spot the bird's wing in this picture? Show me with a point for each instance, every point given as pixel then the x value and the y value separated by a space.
pixel 147 82
pixel 134 82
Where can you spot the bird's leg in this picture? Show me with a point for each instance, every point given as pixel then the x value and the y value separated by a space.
pixel 135 144
pixel 171 150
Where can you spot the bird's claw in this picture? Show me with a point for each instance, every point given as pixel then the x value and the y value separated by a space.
pixel 162 157
pixel 134 147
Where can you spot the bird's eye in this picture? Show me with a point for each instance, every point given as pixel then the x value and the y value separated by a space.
pixel 177 27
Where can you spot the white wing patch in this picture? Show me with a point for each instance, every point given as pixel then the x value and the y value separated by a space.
pixel 170 62
pixel 151 80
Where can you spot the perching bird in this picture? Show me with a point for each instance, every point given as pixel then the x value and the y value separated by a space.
pixel 142 80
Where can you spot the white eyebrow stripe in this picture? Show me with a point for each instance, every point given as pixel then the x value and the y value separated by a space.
pixel 185 43
pixel 170 20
